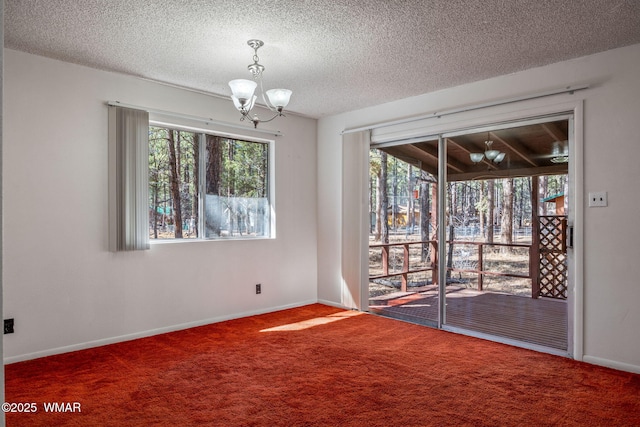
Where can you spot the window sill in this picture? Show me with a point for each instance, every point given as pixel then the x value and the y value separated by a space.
pixel 177 241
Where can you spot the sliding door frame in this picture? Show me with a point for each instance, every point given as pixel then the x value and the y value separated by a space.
pixel 572 111
pixel 442 232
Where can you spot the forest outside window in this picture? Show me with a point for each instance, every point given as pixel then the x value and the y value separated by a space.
pixel 204 186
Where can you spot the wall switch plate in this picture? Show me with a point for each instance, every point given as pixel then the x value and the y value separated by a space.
pixel 598 199
pixel 8 326
pixel 258 288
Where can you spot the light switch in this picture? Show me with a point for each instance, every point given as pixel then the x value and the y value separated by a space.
pixel 598 199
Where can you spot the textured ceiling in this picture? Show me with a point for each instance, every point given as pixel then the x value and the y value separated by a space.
pixel 336 56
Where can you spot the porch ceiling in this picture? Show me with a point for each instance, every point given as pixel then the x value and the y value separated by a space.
pixel 529 151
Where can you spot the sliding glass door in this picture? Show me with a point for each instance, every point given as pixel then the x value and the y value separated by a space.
pixel 468 231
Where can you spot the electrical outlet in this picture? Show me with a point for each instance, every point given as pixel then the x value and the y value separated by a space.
pixel 598 199
pixel 8 326
pixel 258 288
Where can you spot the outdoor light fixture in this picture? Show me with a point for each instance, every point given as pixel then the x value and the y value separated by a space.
pixel 476 157
pixel 560 153
pixel 243 91
pixel 492 155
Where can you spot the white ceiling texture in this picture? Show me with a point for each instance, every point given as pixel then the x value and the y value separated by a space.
pixel 336 56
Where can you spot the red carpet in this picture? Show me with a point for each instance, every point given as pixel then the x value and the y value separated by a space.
pixel 319 366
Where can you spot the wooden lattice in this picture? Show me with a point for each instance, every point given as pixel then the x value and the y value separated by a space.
pixel 553 257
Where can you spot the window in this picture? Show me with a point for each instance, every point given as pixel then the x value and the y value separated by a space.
pixel 204 186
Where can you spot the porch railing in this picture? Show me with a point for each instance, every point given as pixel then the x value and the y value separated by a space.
pixel 433 264
pixel 406 270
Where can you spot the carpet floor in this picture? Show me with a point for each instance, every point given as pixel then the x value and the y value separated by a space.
pixel 318 366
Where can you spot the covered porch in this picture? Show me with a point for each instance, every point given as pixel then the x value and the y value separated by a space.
pixel 537 321
pixel 534 150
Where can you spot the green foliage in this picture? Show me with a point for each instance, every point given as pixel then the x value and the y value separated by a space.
pixel 482 205
pixel 244 168
pixel 555 184
pixel 374 163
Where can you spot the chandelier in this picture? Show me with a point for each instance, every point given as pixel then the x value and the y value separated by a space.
pixel 243 91
pixel 492 155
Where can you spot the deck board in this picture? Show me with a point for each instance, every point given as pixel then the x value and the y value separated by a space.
pixel 537 321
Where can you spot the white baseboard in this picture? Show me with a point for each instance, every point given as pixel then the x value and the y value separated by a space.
pixel 620 366
pixel 334 304
pixel 148 333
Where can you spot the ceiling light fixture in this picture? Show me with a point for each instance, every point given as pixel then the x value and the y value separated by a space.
pixel 476 157
pixel 560 152
pixel 493 155
pixel 243 91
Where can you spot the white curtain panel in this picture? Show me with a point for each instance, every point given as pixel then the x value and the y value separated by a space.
pixel 128 179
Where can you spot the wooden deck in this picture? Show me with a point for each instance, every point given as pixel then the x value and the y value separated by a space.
pixel 537 321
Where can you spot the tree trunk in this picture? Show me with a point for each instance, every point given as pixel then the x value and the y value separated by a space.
pixel 196 185
pixel 490 202
pixel 481 211
pixel 379 207
pixel 371 202
pixel 424 219
pixel 544 184
pixel 213 223
pixel 451 190
pixel 175 185
pixel 231 190
pixel 452 237
pixel 453 203
pixel 384 199
pixel 410 202
pixel 464 205
pixel 530 194
pixel 155 209
pixel 394 202
pixel 434 232
pixel 506 223
pixel 520 198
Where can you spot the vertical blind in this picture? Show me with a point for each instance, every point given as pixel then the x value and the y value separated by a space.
pixel 355 218
pixel 128 179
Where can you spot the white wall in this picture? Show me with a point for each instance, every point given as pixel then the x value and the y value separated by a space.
pixel 611 147
pixel 2 418
pixel 62 286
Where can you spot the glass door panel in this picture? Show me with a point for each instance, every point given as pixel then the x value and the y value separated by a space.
pixel 403 273
pixel 499 189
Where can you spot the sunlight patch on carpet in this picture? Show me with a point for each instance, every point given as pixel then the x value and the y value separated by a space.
pixel 306 324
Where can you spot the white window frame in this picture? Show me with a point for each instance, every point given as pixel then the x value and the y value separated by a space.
pixel 154 122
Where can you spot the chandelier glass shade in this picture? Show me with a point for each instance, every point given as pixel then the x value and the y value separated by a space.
pixel 243 97
pixel 476 157
pixel 279 98
pixel 243 91
pixel 491 154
